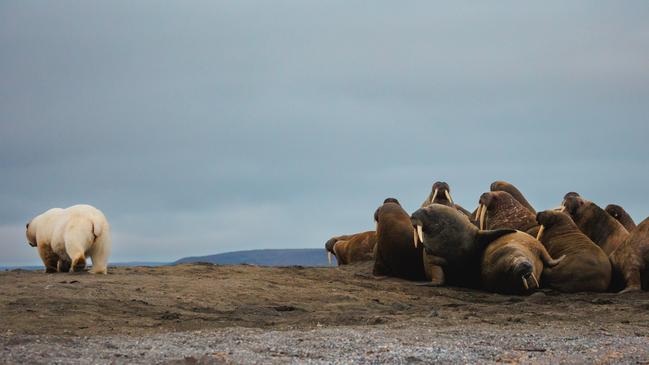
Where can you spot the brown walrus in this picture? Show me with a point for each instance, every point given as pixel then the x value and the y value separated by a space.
pixel 621 216
pixel 594 222
pixel 631 259
pixel 440 194
pixel 586 266
pixel 499 209
pixel 394 252
pixel 453 242
pixel 352 248
pixel 513 264
pixel 513 191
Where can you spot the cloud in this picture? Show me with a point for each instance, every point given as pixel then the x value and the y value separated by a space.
pixel 206 127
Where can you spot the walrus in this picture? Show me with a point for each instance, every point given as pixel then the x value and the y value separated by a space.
pixel 440 194
pixel 621 216
pixel 513 191
pixel 499 209
pixel 594 222
pixel 453 242
pixel 513 264
pixel 394 253
pixel 352 248
pixel 586 266
pixel 631 259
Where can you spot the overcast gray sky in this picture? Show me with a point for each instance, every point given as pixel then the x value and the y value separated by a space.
pixel 205 127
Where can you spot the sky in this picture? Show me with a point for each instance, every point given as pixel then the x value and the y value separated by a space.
pixel 212 126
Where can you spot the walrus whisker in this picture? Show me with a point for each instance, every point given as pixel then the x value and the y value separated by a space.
pixel 420 233
pixel 448 196
pixel 432 200
pixel 525 283
pixel 540 234
pixel 482 216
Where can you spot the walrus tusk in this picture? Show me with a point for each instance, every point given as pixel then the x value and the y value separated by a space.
pixel 448 196
pixel 482 216
pixel 329 257
pixel 540 234
pixel 477 212
pixel 432 200
pixel 420 233
pixel 563 208
pixel 536 282
pixel 414 236
pixel 525 283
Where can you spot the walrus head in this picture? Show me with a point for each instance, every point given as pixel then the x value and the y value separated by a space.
pixel 549 218
pixel 594 222
pixel 386 201
pixel 499 209
pixel 448 234
pixel 441 194
pixel 574 204
pixel 621 216
pixel 329 246
pixel 31 235
pixel 513 191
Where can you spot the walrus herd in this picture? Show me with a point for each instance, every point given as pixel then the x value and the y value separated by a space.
pixel 504 245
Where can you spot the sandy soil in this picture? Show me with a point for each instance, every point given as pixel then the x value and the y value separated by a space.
pixel 242 314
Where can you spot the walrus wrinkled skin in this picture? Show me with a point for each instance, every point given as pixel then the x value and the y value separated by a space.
pixel 513 264
pixel 631 259
pixel 621 216
pixel 499 209
pixel 453 242
pixel 585 267
pixel 513 191
pixel 352 248
pixel 594 222
pixel 395 254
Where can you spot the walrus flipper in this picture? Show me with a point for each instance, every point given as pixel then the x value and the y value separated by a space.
pixel 485 237
pixel 547 259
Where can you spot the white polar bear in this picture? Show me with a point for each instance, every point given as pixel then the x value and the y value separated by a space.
pixel 72 234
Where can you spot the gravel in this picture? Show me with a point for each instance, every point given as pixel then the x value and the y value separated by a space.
pixel 408 343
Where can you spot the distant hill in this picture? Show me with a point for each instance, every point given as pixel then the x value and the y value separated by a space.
pixel 282 257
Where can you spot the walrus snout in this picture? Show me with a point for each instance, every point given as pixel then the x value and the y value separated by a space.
pixel 523 267
pixel 525 271
pixel 572 203
pixel 329 245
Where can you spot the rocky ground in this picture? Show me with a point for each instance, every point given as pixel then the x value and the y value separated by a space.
pixel 207 314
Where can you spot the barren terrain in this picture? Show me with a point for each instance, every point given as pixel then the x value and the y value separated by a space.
pixel 247 314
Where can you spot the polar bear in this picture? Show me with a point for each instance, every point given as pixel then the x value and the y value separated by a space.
pixel 71 234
